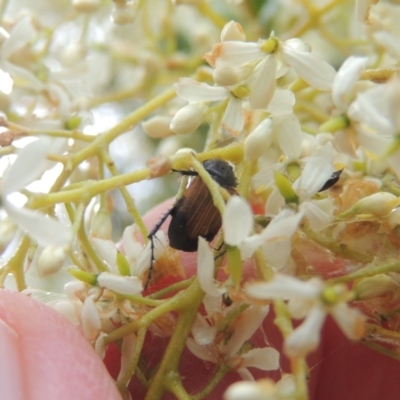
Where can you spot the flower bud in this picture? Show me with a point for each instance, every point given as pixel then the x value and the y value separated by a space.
pixel 379 204
pixel 73 54
pixel 158 127
pixel 101 225
pixel 51 260
pixel 231 76
pixel 258 142
pixel 86 5
pixel 373 286
pixel 129 285
pixel 232 31
pixel 188 118
pixel 124 13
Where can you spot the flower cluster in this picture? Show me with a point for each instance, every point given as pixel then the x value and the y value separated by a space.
pixel 308 118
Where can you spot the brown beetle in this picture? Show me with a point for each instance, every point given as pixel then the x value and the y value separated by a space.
pixel 195 214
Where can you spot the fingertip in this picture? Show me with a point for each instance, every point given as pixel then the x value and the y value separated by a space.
pixel 47 356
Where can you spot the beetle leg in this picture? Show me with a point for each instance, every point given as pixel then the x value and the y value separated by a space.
pixel 187 173
pixel 151 237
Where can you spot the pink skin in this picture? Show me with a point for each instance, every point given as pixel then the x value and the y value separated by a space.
pixel 44 356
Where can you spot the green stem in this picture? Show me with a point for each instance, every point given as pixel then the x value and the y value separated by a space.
pixel 367 271
pixel 170 362
pixel 16 264
pixel 130 202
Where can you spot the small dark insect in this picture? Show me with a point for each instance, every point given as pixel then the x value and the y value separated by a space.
pixel 331 181
pixel 195 214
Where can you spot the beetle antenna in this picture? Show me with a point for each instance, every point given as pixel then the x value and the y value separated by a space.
pixel 151 236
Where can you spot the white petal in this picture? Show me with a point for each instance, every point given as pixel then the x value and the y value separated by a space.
pixel 129 285
pixel 21 34
pixel 287 385
pixel 389 42
pixel 143 263
pixel 106 250
pixel 191 90
pixel 283 287
pixel 306 337
pixel 282 227
pixel 317 218
pixel 237 221
pixel 289 134
pixel 233 117
pixel 351 320
pixel 99 345
pixel 212 304
pixel 371 108
pixel 274 203
pixel 262 86
pixel 316 172
pixel 205 269
pixel 266 359
pixel 91 323
pixel 345 79
pixel 277 253
pixel 245 374
pixel 393 94
pixel 235 53
pixel 27 167
pixel 204 335
pixel 60 96
pixel 259 140
pixel 43 229
pixel 245 325
pixel 25 77
pixel 250 245
pixel 372 141
pixel 132 248
pixel 128 347
pixel 282 102
pixel 232 31
pixel 297 44
pixel 188 118
pixel 205 353
pixel 245 390
pixel 316 72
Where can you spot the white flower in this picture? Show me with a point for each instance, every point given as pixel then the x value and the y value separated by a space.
pixel 312 300
pixel 283 129
pixel 274 58
pixel 376 110
pixel 193 91
pixel 198 93
pixel 216 347
pixel 345 79
pixel 28 166
pixel 316 172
